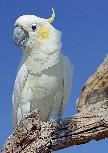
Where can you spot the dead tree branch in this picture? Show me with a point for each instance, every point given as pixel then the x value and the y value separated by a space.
pixel 35 136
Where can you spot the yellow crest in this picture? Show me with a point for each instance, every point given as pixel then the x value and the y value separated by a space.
pixel 51 19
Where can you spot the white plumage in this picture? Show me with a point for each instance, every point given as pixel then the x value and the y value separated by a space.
pixel 44 77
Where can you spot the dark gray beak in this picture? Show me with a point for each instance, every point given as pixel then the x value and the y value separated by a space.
pixel 20 37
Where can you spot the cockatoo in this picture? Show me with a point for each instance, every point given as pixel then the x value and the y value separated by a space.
pixel 44 76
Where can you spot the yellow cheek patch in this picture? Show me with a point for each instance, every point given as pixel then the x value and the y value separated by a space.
pixel 44 32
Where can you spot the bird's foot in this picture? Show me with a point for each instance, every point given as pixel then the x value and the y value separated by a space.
pixel 58 121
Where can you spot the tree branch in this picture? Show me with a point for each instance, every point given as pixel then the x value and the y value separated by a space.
pixel 35 136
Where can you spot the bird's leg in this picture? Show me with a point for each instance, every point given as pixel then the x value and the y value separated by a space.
pixel 57 111
pixel 56 115
pixel 60 112
pixel 25 109
pixel 19 115
pixel 25 103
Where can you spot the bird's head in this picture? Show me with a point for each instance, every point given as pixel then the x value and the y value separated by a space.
pixel 32 30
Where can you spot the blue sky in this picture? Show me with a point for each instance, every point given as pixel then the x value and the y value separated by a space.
pixel 84 25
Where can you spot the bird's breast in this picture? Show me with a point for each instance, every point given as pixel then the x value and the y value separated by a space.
pixel 44 85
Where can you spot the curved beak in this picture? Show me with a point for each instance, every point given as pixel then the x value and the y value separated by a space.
pixel 20 37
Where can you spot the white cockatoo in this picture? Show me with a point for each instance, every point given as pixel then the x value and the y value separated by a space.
pixel 44 76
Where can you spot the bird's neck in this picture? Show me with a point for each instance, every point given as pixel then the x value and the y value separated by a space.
pixel 39 58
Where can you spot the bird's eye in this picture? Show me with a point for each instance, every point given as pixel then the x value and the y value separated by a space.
pixel 34 27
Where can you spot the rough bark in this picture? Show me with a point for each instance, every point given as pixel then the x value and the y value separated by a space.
pixel 35 136
pixel 95 88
